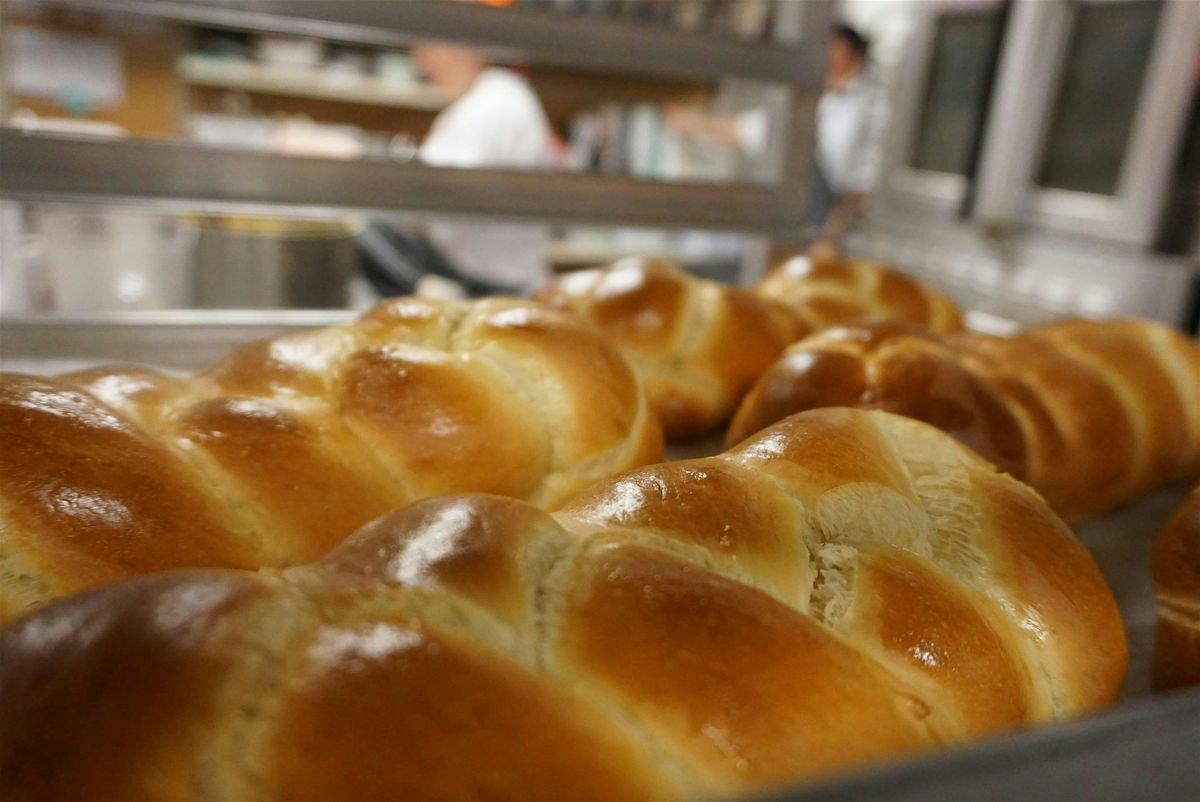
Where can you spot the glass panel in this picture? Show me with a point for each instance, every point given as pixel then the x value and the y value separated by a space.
pixel 958 83
pixel 1110 47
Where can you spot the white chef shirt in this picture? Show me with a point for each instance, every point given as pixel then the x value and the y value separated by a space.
pixel 498 122
pixel 850 129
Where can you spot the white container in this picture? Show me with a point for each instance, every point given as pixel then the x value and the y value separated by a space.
pixel 231 131
pixel 100 260
pixel 290 51
pixel 396 69
pixel 302 137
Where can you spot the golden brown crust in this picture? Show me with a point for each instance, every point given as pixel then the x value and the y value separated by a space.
pixel 273 455
pixel 304 473
pixel 899 369
pixel 132 669
pixel 140 393
pixel 745 522
pixel 785 699
pixel 1066 600
pixel 1092 414
pixel 1083 452
pixel 638 303
pixel 429 416
pixel 481 548
pixel 294 363
pixel 1157 401
pixel 89 498
pixel 927 630
pixel 583 380
pixel 1177 583
pixel 846 588
pixel 515 735
pixel 826 293
pixel 697 344
pixel 801 380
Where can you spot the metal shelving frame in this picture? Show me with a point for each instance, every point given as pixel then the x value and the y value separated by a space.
pixel 592 42
pixel 174 175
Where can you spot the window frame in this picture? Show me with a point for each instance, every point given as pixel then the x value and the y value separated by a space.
pixel 929 190
pixel 1032 62
pixel 1131 214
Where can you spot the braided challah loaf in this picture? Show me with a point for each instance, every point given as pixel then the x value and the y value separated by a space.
pixel 1092 414
pixel 847 587
pixel 1177 577
pixel 699 344
pixel 273 455
pixel 842 290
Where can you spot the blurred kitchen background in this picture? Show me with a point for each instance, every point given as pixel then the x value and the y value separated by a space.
pixel 1042 157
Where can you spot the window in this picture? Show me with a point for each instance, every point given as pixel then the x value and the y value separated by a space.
pixel 1102 80
pixel 953 107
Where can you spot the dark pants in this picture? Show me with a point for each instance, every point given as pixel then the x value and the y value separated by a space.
pixel 821 200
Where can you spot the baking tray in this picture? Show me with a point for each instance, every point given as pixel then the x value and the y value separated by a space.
pixel 1146 747
pixel 187 339
pixel 177 340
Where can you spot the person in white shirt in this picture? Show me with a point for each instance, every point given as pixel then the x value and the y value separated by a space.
pixel 850 126
pixel 851 122
pixel 494 120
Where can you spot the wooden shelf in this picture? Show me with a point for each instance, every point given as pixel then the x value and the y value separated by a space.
pixel 222 73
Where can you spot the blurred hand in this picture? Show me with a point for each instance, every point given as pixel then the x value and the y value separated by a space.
pixel 690 122
pixel 681 118
pixel 823 250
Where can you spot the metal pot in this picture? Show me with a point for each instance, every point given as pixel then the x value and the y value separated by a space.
pixel 268 263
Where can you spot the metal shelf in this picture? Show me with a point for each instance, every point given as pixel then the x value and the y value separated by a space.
pixel 180 176
pixel 184 177
pixel 220 73
pixel 579 41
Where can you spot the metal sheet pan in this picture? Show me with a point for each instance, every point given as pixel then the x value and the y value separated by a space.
pixel 189 339
pixel 1146 747
pixel 177 340
pixel 1146 751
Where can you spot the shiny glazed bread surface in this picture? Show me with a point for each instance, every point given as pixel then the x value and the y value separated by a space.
pixel 699 344
pixel 1090 413
pixel 842 290
pixel 1177 581
pixel 273 455
pixel 847 587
